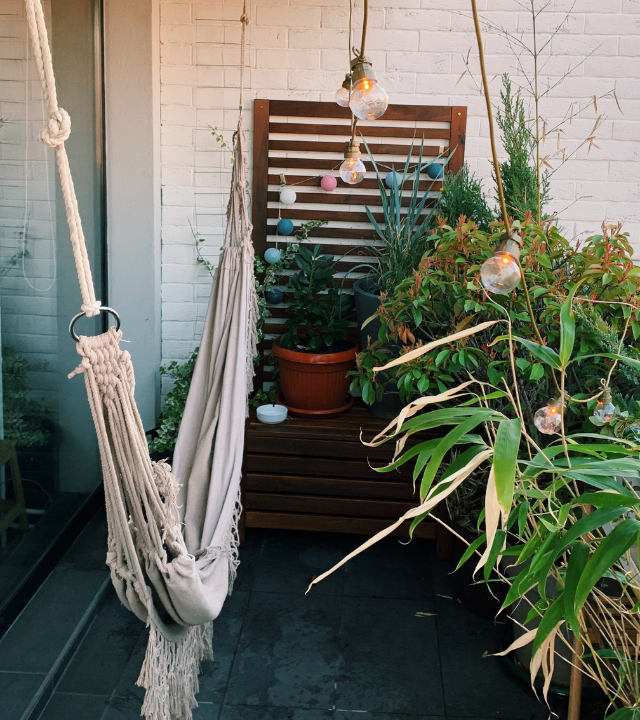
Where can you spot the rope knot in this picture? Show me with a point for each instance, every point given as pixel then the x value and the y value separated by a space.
pixel 245 19
pixel 57 129
pixel 92 309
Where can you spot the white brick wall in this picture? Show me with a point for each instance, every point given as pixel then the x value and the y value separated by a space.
pixel 297 50
pixel 28 290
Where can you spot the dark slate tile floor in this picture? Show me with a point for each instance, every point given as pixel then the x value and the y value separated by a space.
pixel 384 639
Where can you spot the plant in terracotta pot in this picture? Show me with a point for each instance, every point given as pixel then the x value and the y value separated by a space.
pixel 315 354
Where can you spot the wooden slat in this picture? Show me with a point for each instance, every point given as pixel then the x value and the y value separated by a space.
pixel 327 523
pixel 330 164
pixel 356 252
pixel 322 505
pixel 294 108
pixel 300 465
pixel 326 232
pixel 367 184
pixel 309 146
pixel 458 136
pixel 368 131
pixel 259 482
pixel 330 215
pixel 352 450
pixel 352 198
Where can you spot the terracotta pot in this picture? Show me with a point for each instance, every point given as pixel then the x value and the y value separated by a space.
pixel 315 382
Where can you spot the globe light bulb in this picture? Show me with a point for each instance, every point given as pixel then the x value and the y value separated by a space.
pixel 342 94
pixel 501 274
pixel 548 419
pixel 369 100
pixel 605 411
pixel 352 171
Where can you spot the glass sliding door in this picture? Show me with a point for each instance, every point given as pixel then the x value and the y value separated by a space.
pixel 47 445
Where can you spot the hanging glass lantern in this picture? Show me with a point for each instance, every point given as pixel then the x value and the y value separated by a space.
pixel 343 92
pixel 352 170
pixel 605 411
pixel 501 274
pixel 369 100
pixel 548 419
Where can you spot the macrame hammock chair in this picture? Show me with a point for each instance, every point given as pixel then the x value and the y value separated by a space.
pixel 176 584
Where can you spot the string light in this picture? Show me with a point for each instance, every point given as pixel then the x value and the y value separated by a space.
pixel 369 100
pixel 352 170
pixel 605 411
pixel 343 92
pixel 548 419
pixel 501 274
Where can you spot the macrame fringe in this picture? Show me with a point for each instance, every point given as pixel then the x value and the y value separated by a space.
pixel 170 672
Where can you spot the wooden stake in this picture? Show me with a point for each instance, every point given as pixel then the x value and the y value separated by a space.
pixel 575 684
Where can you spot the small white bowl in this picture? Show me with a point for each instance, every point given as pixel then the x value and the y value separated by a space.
pixel 272 414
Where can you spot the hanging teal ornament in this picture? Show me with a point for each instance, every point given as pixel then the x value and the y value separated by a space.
pixel 275 296
pixel 435 171
pixel 392 179
pixel 272 256
pixel 285 226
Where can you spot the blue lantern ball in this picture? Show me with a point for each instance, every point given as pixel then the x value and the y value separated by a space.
pixel 285 226
pixel 275 296
pixel 392 179
pixel 435 171
pixel 272 255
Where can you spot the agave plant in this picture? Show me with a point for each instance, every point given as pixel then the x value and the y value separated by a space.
pixel 404 231
pixel 564 515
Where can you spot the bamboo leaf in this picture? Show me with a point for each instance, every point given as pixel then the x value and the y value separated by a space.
pixel 551 618
pixel 505 461
pixel 541 352
pixel 617 542
pixel 577 562
pixel 567 327
pixel 470 550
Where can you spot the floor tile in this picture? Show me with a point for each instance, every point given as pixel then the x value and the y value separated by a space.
pixel 287 655
pixel 101 658
pixel 290 560
pixel 226 633
pixel 35 640
pixel 243 712
pixel 250 554
pixel 89 550
pixel 129 709
pixel 126 687
pixel 390 657
pixel 16 691
pixel 79 707
pixel 471 680
pixel 391 569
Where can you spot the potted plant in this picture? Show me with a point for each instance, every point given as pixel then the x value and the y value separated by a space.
pixel 315 354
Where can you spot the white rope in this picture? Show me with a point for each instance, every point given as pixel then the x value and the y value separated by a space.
pixel 54 134
pixel 244 20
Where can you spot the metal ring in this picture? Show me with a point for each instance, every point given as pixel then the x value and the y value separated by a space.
pixel 81 314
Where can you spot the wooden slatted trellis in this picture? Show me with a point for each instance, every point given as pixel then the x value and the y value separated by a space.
pixel 304 140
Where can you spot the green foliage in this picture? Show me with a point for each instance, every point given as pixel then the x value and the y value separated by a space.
pixel 462 195
pixel 23 416
pixel 174 404
pixel 317 309
pixel 519 177
pixel 402 234
pixel 445 295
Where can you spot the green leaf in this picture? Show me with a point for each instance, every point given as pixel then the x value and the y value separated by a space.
pixel 607 499
pixel 567 327
pixel 505 459
pixel 496 548
pixel 541 352
pixel 537 371
pixel 577 562
pixel 551 618
pixel 471 549
pixel 616 544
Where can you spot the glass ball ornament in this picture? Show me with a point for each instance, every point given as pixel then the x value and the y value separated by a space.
pixel 285 226
pixel 500 274
pixel 435 171
pixel 328 183
pixel 342 96
pixel 287 196
pixel 369 100
pixel 272 256
pixel 548 419
pixel 605 411
pixel 392 179
pixel 274 296
pixel 352 171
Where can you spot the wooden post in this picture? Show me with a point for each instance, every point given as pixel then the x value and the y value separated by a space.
pixel 575 684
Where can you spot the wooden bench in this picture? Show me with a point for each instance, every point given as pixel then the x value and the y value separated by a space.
pixel 316 475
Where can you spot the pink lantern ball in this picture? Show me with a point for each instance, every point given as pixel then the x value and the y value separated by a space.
pixel 328 183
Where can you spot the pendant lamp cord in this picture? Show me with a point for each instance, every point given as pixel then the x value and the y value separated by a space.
pixel 485 84
pixel 244 20
pixel 54 134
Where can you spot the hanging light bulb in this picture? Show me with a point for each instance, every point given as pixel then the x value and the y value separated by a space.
pixel 352 169
pixel 605 410
pixel 549 418
pixel 369 100
pixel 501 274
pixel 342 95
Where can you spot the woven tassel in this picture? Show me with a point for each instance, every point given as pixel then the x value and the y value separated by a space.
pixel 170 672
